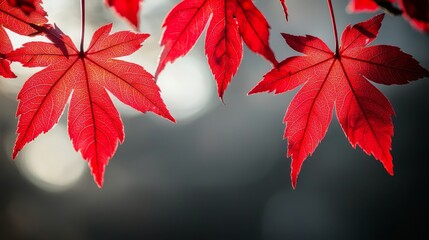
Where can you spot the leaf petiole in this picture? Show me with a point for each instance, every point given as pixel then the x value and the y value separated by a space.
pixel 334 26
pixel 82 36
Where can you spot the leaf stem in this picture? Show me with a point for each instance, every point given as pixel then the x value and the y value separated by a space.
pixel 82 36
pixel 334 26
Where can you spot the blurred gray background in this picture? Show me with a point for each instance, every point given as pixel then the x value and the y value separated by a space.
pixel 221 172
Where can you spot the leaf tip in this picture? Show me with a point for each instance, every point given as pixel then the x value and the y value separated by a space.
pixel 253 91
pixel 294 178
pixel 16 149
pixel 294 172
pixel 258 88
pixel 158 71
pixel 15 153
pixel 286 35
pixel 285 10
pixel 221 93
pixel 293 184
pixel 165 113
pixel 389 168
pixel 222 100
pixel 99 179
pixel 379 18
pixel 171 118
pixel 6 72
pixel 97 170
pixel 387 162
pixel 99 183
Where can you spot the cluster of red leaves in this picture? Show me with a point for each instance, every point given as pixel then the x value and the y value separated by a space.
pixel 336 78
pixel 415 11
pixel 231 21
pixel 94 125
pixel 330 79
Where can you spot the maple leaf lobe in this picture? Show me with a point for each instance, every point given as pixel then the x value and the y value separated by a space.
pixel 285 10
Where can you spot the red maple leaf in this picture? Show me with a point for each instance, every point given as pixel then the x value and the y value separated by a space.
pixel 231 22
pixel 340 79
pixel 417 13
pixel 94 124
pixel 5 48
pixel 128 9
